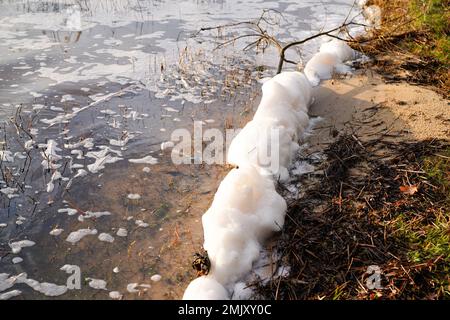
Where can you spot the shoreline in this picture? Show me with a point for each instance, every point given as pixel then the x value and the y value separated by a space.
pixel 371 112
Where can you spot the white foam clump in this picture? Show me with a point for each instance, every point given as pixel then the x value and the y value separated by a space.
pixel 6 156
pixel 122 232
pixel 134 196
pixel 155 278
pixel 48 289
pixel 50 155
pixel 51 184
pixel 106 237
pixel 6 282
pixel 69 211
pixel 17 246
pixel 76 236
pixel 56 232
pixel 241 291
pixel 92 214
pixel 146 169
pixel 144 160
pixel 246 208
pixel 339 48
pixel 131 287
pixel 67 97
pixel 167 145
pixel 115 295
pixel 10 294
pixel 205 288
pixel 9 192
pixel 141 224
pixel 276 127
pixel 87 143
pixel 98 284
pixel 80 173
pixel 329 60
pixel 102 157
pixel 121 142
pixel 17 260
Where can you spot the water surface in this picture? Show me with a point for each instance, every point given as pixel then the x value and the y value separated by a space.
pixel 106 82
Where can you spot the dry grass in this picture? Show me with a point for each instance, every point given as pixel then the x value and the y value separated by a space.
pixel 413 42
pixel 359 213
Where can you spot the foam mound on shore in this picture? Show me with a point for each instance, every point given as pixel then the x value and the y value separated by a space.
pixel 246 208
pixel 329 60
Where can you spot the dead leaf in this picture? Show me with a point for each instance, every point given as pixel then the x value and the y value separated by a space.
pixel 409 190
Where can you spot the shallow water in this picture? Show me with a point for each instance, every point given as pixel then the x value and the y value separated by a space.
pixel 119 76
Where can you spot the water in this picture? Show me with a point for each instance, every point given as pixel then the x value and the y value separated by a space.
pixel 118 77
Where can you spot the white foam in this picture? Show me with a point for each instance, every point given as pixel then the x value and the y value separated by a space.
pixel 166 145
pixel 16 260
pixel 17 246
pixel 98 284
pixel 56 232
pixel 340 48
pixel 241 291
pixel 6 156
pixel 10 294
pixel 328 61
pixel 141 224
pixel 205 288
pixel 122 232
pixel 144 160
pixel 106 237
pixel 92 214
pixel 245 210
pixel 133 196
pixel 6 282
pixel 69 211
pixel 155 278
pixel 76 236
pixel 50 155
pixel 131 287
pixel 9 192
pixel 48 289
pixel 116 295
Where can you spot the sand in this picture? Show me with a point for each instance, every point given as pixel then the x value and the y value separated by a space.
pixel 366 105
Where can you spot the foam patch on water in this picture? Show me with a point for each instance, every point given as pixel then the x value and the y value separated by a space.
pixel 145 160
pixel 6 282
pixel 10 294
pixel 17 246
pixel 116 295
pixel 93 214
pixel 133 196
pixel 122 232
pixel 106 237
pixel 155 278
pixel 9 192
pixel 76 236
pixel 56 232
pixel 46 288
pixel 17 260
pixel 98 284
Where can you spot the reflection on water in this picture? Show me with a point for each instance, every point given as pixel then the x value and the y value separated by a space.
pixel 87 86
